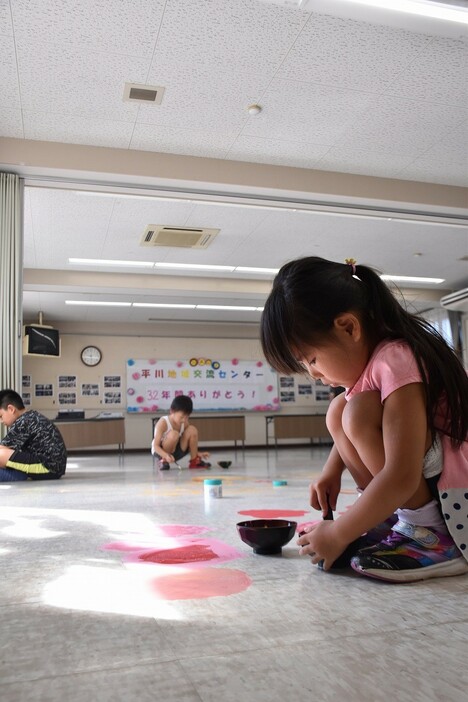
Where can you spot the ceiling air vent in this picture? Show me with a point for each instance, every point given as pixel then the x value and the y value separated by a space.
pixel 179 237
pixel 143 93
pixel 456 301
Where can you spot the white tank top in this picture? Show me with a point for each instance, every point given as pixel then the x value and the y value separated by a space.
pixel 171 428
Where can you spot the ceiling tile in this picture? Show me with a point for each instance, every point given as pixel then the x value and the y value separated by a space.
pixel 223 42
pixel 204 107
pixel 76 129
pixel 6 27
pixel 401 125
pixel 68 82
pixel 12 123
pixel 9 94
pixel 65 224
pixel 353 159
pixel 124 27
pixel 152 137
pixel 439 74
pixel 299 154
pixel 446 161
pixel 307 112
pixel 348 54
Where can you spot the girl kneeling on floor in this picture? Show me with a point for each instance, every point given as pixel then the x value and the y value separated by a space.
pixel 400 428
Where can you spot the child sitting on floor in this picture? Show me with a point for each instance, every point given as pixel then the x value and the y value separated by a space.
pixel 33 447
pixel 174 437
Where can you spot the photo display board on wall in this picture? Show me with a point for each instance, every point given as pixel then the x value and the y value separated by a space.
pixel 299 391
pixel 213 385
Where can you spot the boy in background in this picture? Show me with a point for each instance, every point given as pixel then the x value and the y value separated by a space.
pixel 175 437
pixel 33 447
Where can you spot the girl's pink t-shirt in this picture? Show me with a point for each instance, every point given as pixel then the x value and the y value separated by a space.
pixel 391 366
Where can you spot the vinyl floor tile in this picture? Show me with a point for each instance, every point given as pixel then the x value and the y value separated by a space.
pixel 40 641
pixel 370 668
pixel 140 683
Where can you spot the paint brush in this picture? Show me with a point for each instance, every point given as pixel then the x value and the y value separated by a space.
pixel 344 560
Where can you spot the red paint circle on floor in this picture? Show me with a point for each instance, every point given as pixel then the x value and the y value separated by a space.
pixel 194 553
pixel 199 584
pixel 273 513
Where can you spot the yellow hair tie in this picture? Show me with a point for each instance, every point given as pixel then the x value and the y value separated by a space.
pixel 351 262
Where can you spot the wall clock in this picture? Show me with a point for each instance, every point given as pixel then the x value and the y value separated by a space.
pixel 91 355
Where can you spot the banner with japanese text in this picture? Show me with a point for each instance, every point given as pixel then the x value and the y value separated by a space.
pixel 213 385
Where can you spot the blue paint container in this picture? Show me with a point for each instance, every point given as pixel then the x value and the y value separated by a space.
pixel 213 487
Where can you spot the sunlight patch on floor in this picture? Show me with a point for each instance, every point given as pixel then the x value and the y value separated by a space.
pixel 107 590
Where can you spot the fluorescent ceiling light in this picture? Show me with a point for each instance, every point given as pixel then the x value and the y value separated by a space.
pixel 228 307
pixel 266 271
pixel 168 306
pixel 198 307
pixel 423 8
pixel 109 262
pixel 411 279
pixel 226 269
pixel 184 266
pixel 97 303
pixel 163 305
pixel 195 266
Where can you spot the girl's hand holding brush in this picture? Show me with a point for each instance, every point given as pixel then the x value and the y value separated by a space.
pixel 322 543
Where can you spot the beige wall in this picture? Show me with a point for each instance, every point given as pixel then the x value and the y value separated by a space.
pixel 117 348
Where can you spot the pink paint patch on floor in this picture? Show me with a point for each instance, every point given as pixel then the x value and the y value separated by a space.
pixel 200 584
pixel 194 553
pixel 162 530
pixel 273 513
pixel 188 552
pixel 181 529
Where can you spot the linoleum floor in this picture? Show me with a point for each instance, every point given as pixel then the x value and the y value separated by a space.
pixel 91 611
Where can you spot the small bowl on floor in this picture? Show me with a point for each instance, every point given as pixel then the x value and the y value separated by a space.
pixel 224 464
pixel 266 536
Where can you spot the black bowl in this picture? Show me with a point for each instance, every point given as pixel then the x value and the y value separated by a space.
pixel 266 536
pixel 224 464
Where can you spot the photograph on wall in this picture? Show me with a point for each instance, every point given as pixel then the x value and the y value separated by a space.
pixel 212 384
pixel 27 381
pixel 27 399
pixel 286 381
pixel 67 398
pixel 44 390
pixel 305 389
pixel 67 381
pixel 112 381
pixel 287 396
pixel 90 389
pixel 322 393
pixel 112 398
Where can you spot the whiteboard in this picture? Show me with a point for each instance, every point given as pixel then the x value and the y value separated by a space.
pixel 213 385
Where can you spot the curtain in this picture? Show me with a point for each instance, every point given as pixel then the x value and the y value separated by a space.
pixel 11 280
